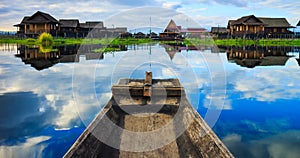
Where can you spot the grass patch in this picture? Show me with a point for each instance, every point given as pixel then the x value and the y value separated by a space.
pixel 262 42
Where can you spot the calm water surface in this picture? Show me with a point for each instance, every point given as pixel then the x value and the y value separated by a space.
pixel 47 100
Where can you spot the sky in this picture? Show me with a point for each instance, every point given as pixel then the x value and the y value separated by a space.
pixel 206 13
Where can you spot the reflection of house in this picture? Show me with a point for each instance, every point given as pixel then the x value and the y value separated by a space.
pixel 64 54
pixel 172 49
pixel 68 27
pixel 38 23
pixel 252 56
pixel 256 27
pixel 36 59
pixel 298 60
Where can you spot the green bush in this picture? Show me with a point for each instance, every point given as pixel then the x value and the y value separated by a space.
pixel 45 39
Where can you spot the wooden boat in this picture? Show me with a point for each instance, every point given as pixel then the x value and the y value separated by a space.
pixel 157 121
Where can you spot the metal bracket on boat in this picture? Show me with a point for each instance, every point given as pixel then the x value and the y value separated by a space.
pixel 148 84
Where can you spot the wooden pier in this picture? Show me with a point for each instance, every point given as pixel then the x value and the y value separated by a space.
pixel 143 106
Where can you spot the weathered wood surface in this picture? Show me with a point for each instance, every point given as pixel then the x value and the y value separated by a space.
pixel 198 140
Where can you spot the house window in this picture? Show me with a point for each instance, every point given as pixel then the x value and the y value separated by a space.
pixel 275 29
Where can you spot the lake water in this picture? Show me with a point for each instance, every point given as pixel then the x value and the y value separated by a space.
pixel 248 95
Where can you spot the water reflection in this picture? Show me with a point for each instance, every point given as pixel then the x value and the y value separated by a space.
pixel 62 54
pixel 38 117
pixel 252 56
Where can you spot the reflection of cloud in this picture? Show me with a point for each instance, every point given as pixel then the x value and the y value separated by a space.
pixel 30 148
pixel 54 85
pixel 219 102
pixel 267 84
pixel 21 114
pixel 285 145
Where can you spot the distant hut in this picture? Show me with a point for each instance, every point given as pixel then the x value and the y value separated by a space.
pixel 96 26
pixel 219 32
pixel 68 27
pixel 139 35
pixel 126 35
pixel 152 35
pixel 171 32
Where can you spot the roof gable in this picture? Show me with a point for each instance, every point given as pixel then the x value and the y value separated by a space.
pixel 41 17
pixel 298 23
pixel 171 27
pixel 250 20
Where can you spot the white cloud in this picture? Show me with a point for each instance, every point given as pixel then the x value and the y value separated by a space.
pixel 172 5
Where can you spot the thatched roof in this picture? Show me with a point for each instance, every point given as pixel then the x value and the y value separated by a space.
pixel 172 27
pixel 69 23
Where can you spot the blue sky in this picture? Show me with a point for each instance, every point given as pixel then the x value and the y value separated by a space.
pixel 206 12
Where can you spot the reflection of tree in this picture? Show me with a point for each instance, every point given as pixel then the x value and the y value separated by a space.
pixel 46 48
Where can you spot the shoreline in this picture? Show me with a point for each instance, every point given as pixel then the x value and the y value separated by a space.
pixel 130 41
